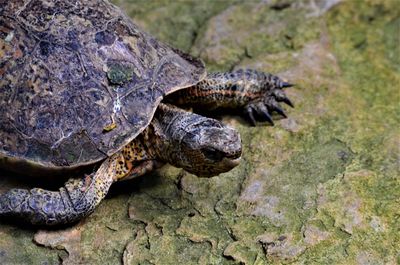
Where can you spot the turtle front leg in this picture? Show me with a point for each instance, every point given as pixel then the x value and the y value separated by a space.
pixel 256 92
pixel 75 200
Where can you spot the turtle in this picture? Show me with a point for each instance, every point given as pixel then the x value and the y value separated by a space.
pixel 82 86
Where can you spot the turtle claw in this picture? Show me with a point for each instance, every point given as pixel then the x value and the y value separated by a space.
pixel 286 84
pixel 250 114
pixel 261 110
pixel 268 117
pixel 274 106
pixel 287 101
pixel 280 96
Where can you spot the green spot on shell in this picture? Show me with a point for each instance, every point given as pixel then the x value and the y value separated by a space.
pixel 119 73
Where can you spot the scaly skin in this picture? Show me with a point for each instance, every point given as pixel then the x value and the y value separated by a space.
pixel 198 144
pixel 254 91
pixel 75 200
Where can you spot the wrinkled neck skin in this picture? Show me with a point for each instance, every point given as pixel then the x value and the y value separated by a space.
pixel 200 145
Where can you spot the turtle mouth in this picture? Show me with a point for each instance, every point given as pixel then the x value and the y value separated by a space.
pixel 235 153
pixel 231 162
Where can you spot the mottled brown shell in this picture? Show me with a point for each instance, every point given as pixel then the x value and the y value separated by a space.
pixel 79 80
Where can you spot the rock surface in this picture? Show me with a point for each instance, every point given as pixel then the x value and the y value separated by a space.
pixel 321 187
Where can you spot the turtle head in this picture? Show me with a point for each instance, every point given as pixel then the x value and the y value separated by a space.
pixel 200 145
pixel 209 148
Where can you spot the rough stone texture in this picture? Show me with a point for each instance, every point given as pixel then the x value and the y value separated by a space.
pixel 322 187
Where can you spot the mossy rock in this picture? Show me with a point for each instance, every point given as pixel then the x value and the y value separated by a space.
pixel 321 187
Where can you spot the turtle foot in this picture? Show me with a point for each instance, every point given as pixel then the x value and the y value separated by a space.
pixel 263 107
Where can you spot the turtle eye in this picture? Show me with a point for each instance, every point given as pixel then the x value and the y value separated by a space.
pixel 213 154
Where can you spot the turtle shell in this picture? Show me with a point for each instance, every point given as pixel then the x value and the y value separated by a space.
pixel 79 80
